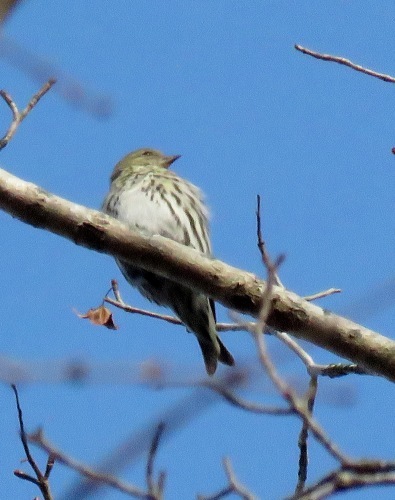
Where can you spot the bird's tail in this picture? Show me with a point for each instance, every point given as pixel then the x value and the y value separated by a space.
pixel 201 321
pixel 214 352
pixel 194 309
pixel 210 355
pixel 224 355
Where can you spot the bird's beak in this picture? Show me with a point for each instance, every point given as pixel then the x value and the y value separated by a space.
pixel 168 160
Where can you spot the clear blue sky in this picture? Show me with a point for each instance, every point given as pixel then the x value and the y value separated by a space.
pixel 220 83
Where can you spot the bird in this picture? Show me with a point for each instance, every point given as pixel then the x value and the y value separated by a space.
pixel 153 200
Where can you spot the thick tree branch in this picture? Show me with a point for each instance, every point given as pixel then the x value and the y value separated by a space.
pixel 234 288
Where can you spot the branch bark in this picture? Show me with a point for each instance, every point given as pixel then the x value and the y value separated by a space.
pixel 234 288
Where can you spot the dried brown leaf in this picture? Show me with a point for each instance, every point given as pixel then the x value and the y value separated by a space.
pixel 101 316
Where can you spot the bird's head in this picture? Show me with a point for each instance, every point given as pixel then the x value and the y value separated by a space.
pixel 143 158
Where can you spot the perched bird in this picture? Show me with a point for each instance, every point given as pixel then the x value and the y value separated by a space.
pixel 150 198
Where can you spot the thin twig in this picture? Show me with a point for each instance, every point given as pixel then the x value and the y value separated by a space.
pixel 115 290
pixel 235 400
pixel 345 62
pixel 345 479
pixel 120 304
pixel 217 496
pixel 298 405
pixel 234 486
pixel 25 444
pixel 321 295
pixel 143 312
pixel 336 370
pixel 50 464
pixel 34 100
pixel 261 243
pixel 38 439
pixel 155 489
pixel 42 479
pixel 19 116
pixel 291 343
pixel 304 434
pixel 135 446
pixel 333 370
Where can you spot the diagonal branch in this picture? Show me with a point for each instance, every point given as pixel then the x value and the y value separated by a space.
pixel 234 288
pixel 19 116
pixel 345 62
pixel 40 440
pixel 41 480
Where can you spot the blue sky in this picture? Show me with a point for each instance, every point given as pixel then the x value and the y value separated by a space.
pixel 220 83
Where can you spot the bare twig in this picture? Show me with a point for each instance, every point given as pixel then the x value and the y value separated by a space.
pixel 261 243
pixel 38 439
pixel 50 464
pixel 233 487
pixel 304 434
pixel 143 312
pixel 19 116
pixel 297 404
pixel 340 370
pixel 321 295
pixel 135 446
pixel 237 487
pixel 291 343
pixel 41 480
pixel 155 489
pixel 333 370
pixel 345 62
pixel 120 304
pixel 368 474
pixel 353 473
pixel 115 291
pixel 231 397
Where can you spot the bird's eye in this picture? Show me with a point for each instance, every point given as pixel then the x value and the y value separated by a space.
pixel 147 153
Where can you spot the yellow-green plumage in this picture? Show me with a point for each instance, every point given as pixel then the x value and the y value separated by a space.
pixel 149 198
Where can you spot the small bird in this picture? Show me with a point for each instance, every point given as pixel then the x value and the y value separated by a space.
pixel 149 198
